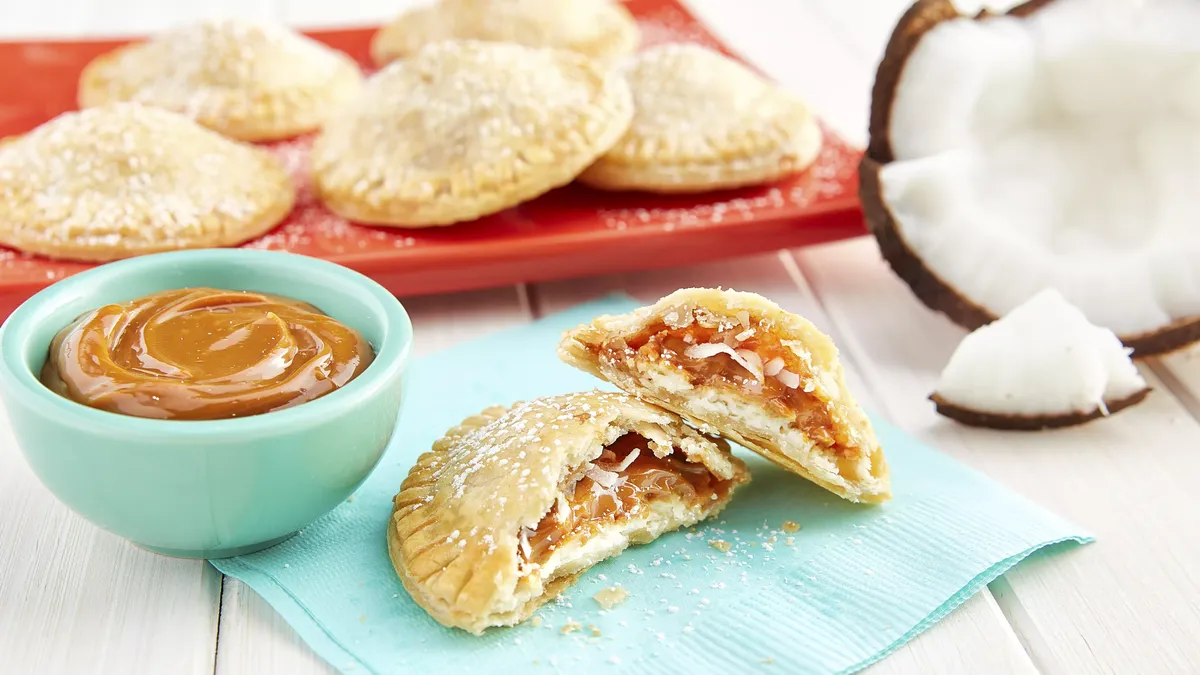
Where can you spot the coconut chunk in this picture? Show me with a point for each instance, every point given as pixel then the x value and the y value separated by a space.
pixel 1041 365
pixel 633 454
pixel 603 478
pixel 523 541
pixel 562 508
pixel 1054 148
pixel 754 361
pixel 744 357
pixel 789 379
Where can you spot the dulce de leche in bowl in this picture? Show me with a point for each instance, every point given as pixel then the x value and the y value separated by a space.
pixel 203 354
pixel 206 403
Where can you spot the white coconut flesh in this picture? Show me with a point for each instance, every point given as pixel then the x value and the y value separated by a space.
pixel 1042 359
pixel 1058 150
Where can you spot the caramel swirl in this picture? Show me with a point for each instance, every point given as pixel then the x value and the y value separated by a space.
pixel 203 354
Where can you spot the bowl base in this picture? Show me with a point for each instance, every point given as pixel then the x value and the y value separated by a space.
pixel 216 552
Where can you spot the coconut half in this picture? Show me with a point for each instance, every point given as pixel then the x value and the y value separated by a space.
pixel 1055 146
pixel 1041 366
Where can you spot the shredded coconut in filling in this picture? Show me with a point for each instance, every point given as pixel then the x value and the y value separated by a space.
pixel 618 485
pixel 740 355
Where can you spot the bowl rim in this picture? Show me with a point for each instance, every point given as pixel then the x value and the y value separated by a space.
pixel 390 360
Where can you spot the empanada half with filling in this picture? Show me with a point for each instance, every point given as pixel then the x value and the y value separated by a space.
pixel 509 507
pixel 738 365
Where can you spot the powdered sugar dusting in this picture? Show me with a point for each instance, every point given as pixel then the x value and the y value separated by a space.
pixel 464 128
pixel 126 176
pixel 229 74
pixel 502 477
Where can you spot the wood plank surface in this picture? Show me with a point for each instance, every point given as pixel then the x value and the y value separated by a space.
pixel 75 599
pixel 1130 603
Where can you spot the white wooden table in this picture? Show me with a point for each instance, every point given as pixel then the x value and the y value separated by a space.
pixel 74 599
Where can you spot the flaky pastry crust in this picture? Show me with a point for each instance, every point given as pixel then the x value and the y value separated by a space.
pixel 600 29
pixel 454 535
pixel 704 122
pixel 463 129
pixel 845 458
pixel 246 81
pixel 124 179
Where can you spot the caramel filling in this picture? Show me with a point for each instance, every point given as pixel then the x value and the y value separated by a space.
pixel 203 354
pixel 618 486
pixel 778 384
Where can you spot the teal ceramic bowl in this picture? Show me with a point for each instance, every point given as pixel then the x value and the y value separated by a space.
pixel 207 489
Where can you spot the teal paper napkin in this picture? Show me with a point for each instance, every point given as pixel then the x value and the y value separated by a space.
pixel 853 584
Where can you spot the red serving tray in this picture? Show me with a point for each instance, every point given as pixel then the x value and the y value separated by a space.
pixel 570 232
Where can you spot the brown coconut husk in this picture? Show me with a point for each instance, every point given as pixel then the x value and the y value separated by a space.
pixel 1007 422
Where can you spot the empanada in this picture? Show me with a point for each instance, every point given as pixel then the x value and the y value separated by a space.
pixel 738 365
pixel 513 504
pixel 245 80
pixel 600 29
pixel 705 122
pixel 124 179
pixel 463 129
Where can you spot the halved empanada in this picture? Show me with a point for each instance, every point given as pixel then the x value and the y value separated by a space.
pixel 738 365
pixel 513 504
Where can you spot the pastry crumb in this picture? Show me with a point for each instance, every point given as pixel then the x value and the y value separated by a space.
pixel 362 618
pixel 791 526
pixel 611 597
pixel 721 545
pixel 790 541
pixel 595 631
pixel 536 621
pixel 768 660
pixel 570 627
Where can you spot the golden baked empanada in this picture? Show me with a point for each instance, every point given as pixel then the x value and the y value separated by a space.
pixel 705 122
pixel 513 504
pixel 464 129
pixel 249 81
pixel 601 29
pixel 738 365
pixel 123 179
